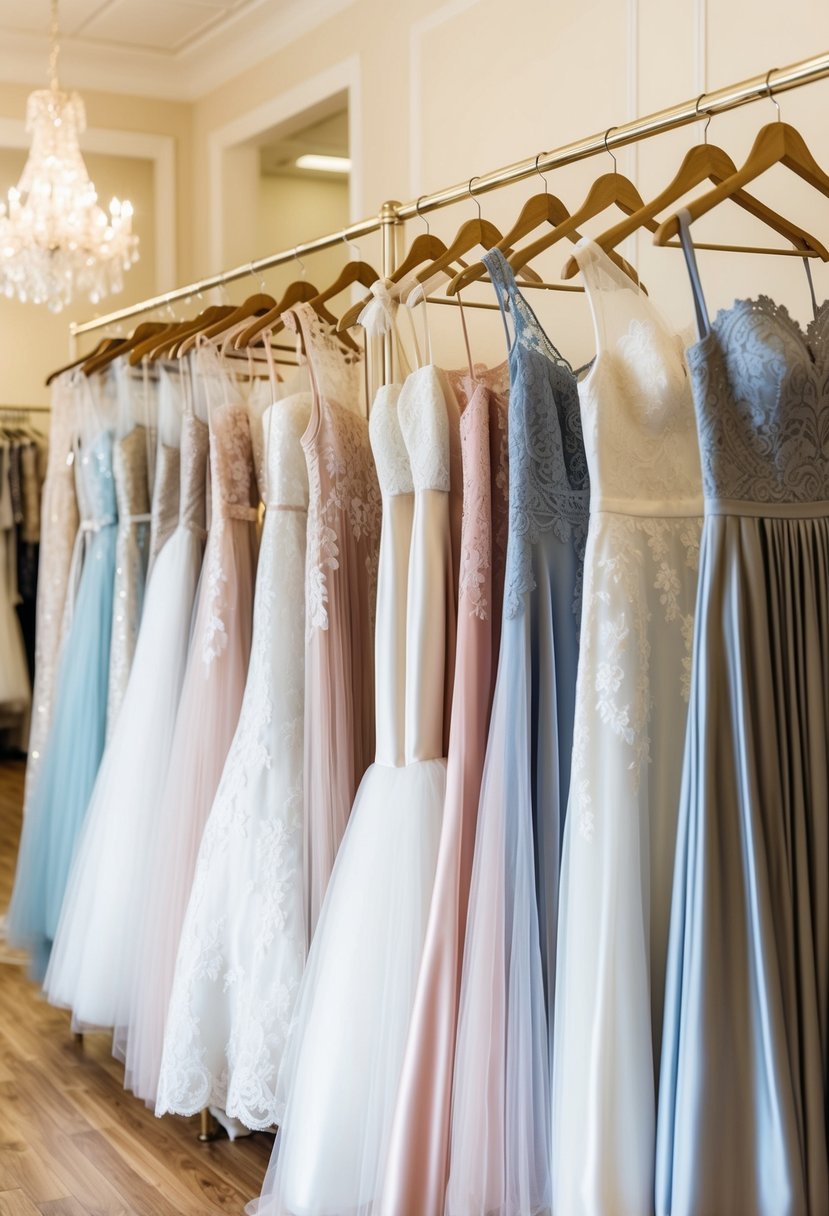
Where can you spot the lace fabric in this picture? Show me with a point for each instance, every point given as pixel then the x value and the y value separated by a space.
pixel 759 382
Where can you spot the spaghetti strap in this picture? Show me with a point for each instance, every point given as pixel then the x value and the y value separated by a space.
pixel 503 281
pixel 703 323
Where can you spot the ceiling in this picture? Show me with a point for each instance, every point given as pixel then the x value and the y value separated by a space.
pixel 177 49
pixel 329 137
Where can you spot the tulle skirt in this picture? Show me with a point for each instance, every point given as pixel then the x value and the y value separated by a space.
pixel 208 712
pixel 338 1083
pixel 70 765
pixel 93 959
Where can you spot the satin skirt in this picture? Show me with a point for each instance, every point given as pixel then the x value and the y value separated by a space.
pixel 742 1120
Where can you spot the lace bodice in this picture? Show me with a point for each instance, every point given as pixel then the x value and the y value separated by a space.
pixel 131 483
pixel 194 444
pixel 344 495
pixel 234 490
pixel 548 476
pixel 424 422
pixel 63 424
pixel 394 469
pixel 283 425
pixel 638 415
pixel 761 388
pixel 95 481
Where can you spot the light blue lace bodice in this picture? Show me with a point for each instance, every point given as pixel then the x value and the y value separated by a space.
pixel 761 388
pixel 549 489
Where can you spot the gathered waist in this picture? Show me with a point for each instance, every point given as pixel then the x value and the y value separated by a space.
pixel 767 510
pixel 96 525
pixel 231 510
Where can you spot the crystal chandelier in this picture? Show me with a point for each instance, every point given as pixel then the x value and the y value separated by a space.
pixel 56 243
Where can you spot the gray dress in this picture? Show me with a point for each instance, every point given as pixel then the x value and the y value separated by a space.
pixel 742 1124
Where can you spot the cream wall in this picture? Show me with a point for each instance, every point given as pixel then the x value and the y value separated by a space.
pixel 443 91
pixel 289 208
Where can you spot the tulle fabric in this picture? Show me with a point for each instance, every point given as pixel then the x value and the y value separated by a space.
pixel 207 715
pixel 208 712
pixel 338 1082
pixel 501 1096
pixel 73 753
pixel 93 961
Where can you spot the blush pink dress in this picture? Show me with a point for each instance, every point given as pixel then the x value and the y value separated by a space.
pixel 340 594
pixel 418 1160
pixel 211 698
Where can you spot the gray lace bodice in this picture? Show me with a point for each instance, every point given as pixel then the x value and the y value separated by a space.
pixel 761 391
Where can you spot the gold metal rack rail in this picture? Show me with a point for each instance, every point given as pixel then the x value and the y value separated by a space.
pixel 391 214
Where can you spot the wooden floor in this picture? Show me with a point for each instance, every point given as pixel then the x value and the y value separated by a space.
pixel 72 1142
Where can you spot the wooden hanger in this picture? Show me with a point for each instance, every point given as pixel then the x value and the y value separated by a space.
pixel 147 329
pixel 778 143
pixel 298 292
pixel 144 348
pixel 103 345
pixel 544 208
pixel 353 272
pixel 165 348
pixel 254 306
pixel 424 248
pixel 611 189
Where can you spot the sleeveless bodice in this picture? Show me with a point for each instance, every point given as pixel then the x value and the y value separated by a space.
pixel 165 505
pixel 391 457
pixel 63 425
pixel 283 425
pixel 638 416
pixel 194 446
pixel 233 479
pixel 131 480
pixel 424 407
pixel 761 388
pixel 548 474
pixel 95 482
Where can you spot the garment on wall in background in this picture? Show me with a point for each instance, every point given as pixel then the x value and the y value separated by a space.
pixel 15 689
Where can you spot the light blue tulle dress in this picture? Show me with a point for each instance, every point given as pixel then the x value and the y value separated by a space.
pixel 76 739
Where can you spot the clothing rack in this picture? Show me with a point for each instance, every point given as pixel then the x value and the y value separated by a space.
pixel 22 410
pixel 392 213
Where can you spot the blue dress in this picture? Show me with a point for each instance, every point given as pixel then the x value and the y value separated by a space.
pixel 742 1121
pixel 75 741
pixel 500 1142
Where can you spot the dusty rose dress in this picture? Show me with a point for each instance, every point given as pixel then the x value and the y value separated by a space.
pixel 340 594
pixel 211 697
pixel 418 1159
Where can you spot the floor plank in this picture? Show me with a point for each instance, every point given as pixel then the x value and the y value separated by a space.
pixel 72 1142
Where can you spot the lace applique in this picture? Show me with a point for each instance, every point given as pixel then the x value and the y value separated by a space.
pixel 761 392
pixel 345 497
pixel 131 553
pixel 476 537
pixel 612 681
pixel 391 457
pixel 423 414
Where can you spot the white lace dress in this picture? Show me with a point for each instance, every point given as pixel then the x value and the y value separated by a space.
pixel 242 947
pixel 631 706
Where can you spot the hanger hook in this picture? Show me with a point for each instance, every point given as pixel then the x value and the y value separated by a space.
pixel 708 117
pixel 472 196
pixel 299 259
pixel 771 95
pixel 420 215
pixel 540 174
pixel 609 150
pixel 351 244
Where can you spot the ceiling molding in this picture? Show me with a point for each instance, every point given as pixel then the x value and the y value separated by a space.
pixel 247 37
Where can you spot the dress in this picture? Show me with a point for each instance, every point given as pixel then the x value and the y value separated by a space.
pixel 93 961
pixel 340 1073
pixel 75 742
pixel 499 1146
pixel 208 711
pixel 631 706
pixel 745 1061
pixel 15 691
pixel 59 526
pixel 341 579
pixel 242 947
pixel 131 555
pixel 418 1158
